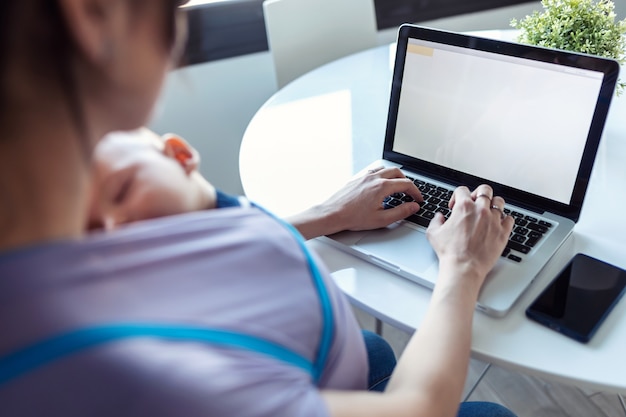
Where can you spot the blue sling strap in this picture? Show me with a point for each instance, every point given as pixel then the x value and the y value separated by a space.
pixel 57 347
pixel 225 200
pixel 328 328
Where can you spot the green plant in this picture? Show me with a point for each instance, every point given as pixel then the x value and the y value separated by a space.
pixel 577 25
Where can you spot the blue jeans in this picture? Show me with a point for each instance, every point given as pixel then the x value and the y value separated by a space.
pixel 382 361
pixel 483 409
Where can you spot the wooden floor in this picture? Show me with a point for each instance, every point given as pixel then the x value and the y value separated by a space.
pixel 524 395
pixel 528 396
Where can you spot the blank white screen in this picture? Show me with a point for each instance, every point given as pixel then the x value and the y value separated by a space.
pixel 516 122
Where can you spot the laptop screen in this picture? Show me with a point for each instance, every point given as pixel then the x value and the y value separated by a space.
pixel 496 117
pixel 518 117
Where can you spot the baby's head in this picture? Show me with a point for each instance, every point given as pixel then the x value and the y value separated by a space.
pixel 139 175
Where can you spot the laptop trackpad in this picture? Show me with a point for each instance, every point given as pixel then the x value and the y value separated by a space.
pixel 403 246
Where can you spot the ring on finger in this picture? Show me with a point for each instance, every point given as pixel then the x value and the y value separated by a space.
pixel 496 207
pixel 484 195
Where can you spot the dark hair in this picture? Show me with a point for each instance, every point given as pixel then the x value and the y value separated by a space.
pixel 46 48
pixel 50 49
pixel 6 9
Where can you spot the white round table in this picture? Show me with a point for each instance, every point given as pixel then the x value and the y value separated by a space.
pixel 315 133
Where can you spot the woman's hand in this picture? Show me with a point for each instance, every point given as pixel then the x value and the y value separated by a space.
pixel 473 238
pixel 358 205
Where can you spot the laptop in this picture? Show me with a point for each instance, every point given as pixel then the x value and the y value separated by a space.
pixel 465 111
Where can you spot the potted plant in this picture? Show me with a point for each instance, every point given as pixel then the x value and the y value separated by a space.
pixel 586 26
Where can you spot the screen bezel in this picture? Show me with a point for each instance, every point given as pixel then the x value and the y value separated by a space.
pixel 608 67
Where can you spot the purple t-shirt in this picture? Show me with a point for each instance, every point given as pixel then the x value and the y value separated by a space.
pixel 236 270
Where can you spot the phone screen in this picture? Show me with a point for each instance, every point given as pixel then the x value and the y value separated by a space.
pixel 578 300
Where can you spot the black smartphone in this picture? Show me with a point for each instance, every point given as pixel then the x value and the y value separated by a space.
pixel 578 300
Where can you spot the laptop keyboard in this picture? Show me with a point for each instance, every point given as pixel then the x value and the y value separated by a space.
pixel 527 232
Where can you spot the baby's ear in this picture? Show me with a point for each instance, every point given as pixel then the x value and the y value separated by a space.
pixel 178 149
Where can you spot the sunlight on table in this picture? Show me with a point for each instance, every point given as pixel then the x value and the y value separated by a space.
pixel 310 133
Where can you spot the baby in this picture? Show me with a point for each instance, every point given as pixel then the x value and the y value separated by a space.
pixel 140 175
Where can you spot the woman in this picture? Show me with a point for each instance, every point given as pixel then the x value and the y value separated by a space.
pixel 209 313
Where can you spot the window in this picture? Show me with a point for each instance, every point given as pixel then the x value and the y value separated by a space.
pixel 227 28
pixel 391 13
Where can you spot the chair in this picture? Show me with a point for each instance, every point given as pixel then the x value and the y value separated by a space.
pixel 305 34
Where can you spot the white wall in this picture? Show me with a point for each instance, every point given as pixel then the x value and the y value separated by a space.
pixel 211 104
